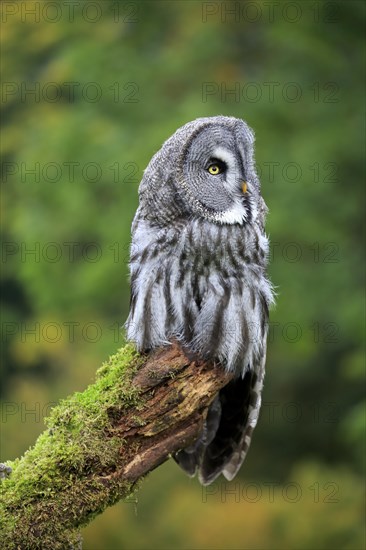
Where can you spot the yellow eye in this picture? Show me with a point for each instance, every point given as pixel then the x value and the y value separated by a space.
pixel 214 169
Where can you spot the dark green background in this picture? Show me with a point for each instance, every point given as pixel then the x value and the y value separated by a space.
pixel 112 81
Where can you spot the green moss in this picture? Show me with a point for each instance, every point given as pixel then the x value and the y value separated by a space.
pixel 54 479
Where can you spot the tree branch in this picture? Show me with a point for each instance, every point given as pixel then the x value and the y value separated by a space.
pixel 102 441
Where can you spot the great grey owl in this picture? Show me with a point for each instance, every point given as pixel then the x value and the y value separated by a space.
pixel 198 260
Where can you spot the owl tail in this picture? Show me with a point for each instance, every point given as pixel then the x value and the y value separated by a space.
pixel 225 440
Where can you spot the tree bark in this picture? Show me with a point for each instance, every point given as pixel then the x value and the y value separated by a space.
pixel 101 442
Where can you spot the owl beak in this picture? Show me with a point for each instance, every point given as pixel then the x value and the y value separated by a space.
pixel 244 186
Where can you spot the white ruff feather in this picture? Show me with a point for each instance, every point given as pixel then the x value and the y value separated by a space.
pixel 236 214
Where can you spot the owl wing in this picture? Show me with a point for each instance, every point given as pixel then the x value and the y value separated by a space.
pixel 227 434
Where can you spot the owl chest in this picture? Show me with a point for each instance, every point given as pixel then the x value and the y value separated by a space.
pixel 202 260
pixel 204 250
pixel 190 258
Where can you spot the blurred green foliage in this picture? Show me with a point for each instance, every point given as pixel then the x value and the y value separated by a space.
pixel 111 81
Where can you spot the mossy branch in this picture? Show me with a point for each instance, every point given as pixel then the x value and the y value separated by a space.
pixel 101 442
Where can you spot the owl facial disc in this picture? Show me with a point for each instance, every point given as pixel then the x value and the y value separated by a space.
pixel 213 175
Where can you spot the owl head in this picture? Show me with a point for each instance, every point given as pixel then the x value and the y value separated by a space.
pixel 206 170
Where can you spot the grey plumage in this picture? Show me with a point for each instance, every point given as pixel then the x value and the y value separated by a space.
pixel 198 260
